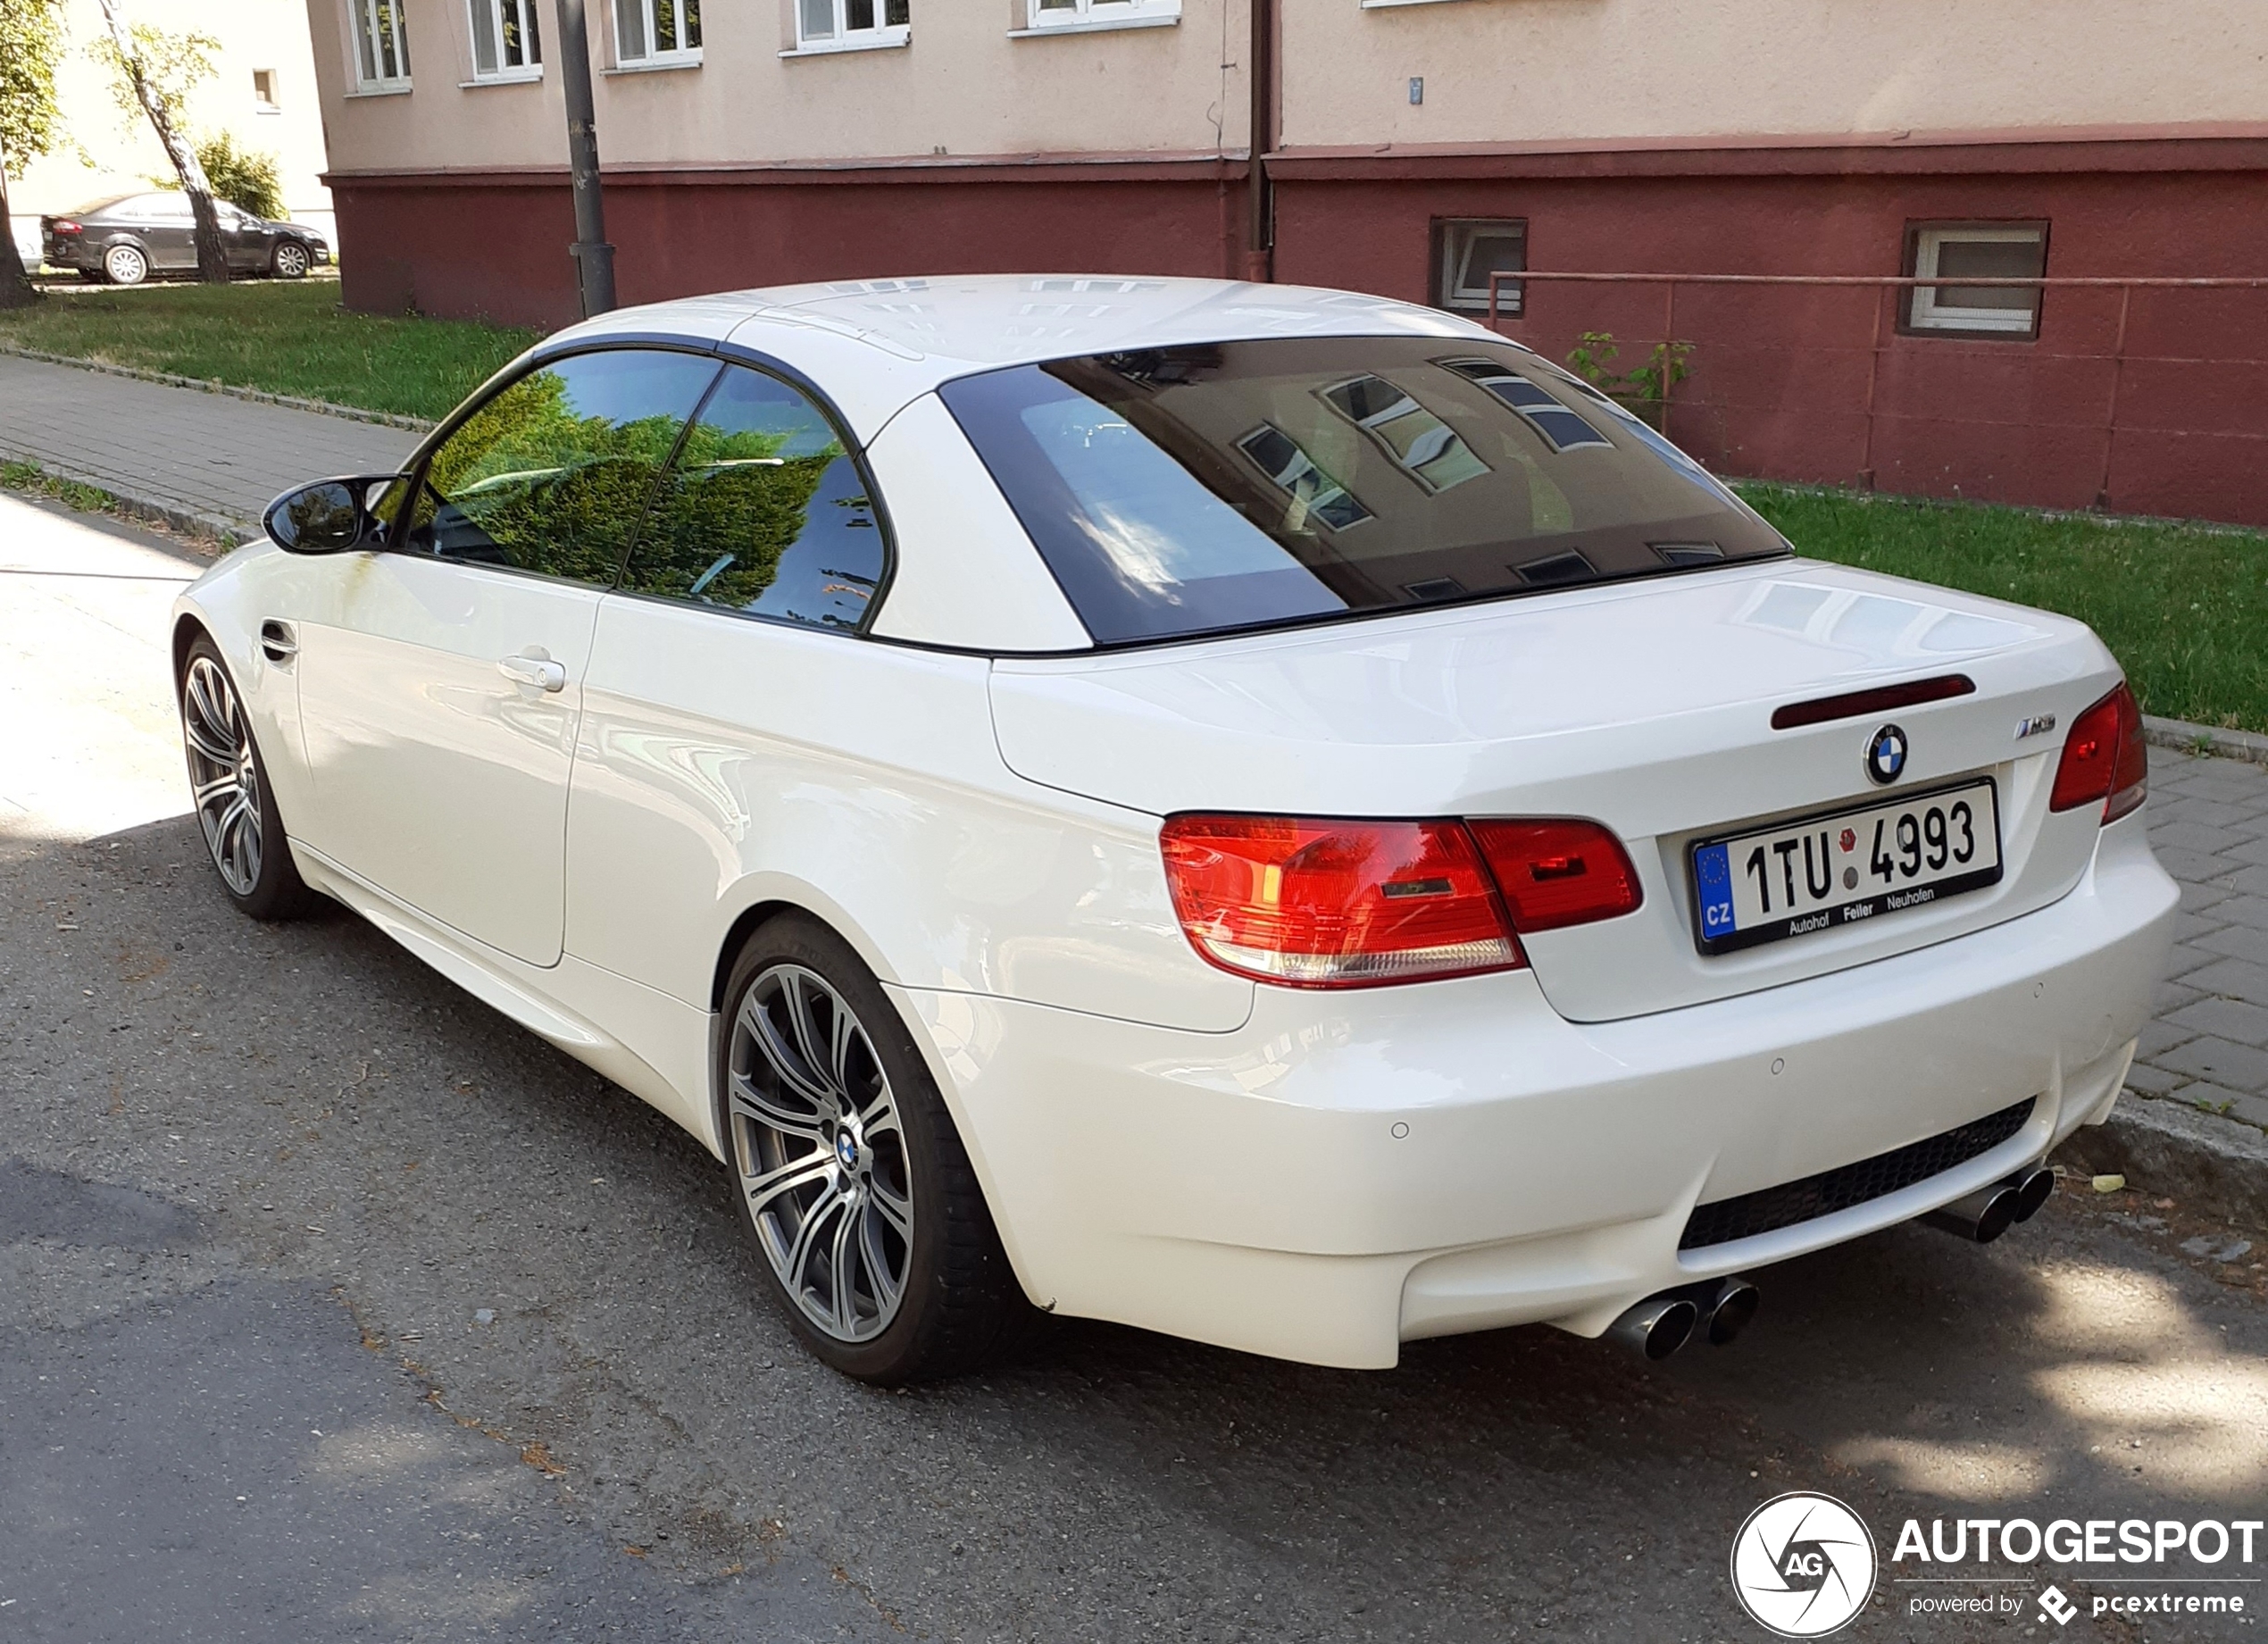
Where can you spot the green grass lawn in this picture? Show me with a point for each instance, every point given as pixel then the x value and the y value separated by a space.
pixel 2184 608
pixel 284 337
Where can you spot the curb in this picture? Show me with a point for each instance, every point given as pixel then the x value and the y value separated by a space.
pixel 416 425
pixel 2179 733
pixel 222 532
pixel 2209 1164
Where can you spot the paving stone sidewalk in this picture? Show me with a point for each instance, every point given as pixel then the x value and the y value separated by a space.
pixel 2209 1043
pixel 210 455
pixel 221 457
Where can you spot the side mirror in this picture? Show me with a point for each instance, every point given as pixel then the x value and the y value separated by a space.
pixel 327 517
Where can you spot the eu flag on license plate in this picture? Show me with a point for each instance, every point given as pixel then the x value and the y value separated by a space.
pixel 1713 871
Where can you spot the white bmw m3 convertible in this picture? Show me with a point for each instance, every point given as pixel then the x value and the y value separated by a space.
pixel 1269 814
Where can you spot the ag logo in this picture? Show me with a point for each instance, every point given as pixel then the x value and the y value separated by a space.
pixel 1803 1566
pixel 1886 754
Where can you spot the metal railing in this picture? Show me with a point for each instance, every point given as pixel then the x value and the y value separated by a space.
pixel 2117 358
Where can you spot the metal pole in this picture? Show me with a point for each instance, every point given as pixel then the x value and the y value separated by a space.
pixel 1669 350
pixel 2110 420
pixel 1259 265
pixel 1873 368
pixel 593 257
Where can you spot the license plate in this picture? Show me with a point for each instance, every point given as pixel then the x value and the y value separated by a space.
pixel 1826 872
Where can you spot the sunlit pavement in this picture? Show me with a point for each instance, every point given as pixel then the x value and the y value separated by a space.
pixel 340 1308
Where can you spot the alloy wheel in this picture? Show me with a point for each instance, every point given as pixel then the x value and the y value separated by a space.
pixel 125 265
pixel 291 260
pixel 224 778
pixel 820 1150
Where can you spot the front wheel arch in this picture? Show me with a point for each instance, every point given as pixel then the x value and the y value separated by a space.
pixel 186 631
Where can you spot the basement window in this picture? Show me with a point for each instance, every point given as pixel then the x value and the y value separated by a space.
pixel 1980 251
pixel 1468 250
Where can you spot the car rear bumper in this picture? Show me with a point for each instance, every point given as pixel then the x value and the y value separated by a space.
pixel 1351 1170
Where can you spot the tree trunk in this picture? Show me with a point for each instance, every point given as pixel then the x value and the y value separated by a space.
pixel 212 252
pixel 16 289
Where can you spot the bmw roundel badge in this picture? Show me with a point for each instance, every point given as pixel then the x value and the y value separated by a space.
pixel 1886 754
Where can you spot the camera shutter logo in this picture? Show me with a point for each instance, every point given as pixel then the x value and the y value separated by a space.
pixel 1803 1566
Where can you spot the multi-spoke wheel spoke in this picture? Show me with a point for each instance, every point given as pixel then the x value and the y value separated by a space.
pixel 822 1152
pixel 223 781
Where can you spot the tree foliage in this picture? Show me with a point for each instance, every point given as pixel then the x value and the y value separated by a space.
pixel 32 43
pixel 154 65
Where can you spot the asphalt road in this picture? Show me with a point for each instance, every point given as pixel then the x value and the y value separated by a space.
pixel 338 1306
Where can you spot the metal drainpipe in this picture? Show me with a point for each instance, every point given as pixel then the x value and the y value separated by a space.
pixel 1260 234
pixel 593 257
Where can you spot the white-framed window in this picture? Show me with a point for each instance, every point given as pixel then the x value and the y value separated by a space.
pixel 264 92
pixel 848 25
pixel 1473 248
pixel 381 45
pixel 1044 15
pixel 1981 251
pixel 505 43
pixel 656 33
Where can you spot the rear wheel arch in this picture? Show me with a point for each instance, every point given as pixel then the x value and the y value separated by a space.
pixel 821 910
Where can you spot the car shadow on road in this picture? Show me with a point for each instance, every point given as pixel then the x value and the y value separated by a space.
pixel 564 1266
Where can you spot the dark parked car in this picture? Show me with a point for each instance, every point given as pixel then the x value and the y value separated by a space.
pixel 127 239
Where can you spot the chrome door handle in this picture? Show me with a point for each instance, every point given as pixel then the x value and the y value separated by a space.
pixel 535 670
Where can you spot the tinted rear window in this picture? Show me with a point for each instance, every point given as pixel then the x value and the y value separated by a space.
pixel 1192 490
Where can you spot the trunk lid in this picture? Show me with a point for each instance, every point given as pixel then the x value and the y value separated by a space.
pixel 1647 706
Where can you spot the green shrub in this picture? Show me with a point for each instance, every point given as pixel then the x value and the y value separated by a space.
pixel 244 178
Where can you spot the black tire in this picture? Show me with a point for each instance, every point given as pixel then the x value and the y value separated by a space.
pixel 290 260
pixel 264 882
pixel 959 1306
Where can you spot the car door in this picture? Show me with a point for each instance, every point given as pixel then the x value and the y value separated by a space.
pixel 722 679
pixel 246 237
pixel 440 691
pixel 162 222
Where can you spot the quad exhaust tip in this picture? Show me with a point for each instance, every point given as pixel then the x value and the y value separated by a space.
pixel 1983 1215
pixel 1718 1309
pixel 1657 1326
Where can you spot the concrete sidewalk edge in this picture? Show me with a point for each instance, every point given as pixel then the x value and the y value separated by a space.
pixel 2179 733
pixel 223 532
pixel 206 385
pixel 2162 1145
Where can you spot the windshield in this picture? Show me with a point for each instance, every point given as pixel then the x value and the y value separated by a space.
pixel 1187 490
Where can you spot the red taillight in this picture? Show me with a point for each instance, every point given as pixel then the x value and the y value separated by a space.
pixel 1322 903
pixel 2104 759
pixel 1335 903
pixel 66 227
pixel 1558 872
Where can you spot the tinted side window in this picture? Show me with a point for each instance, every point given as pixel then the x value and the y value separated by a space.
pixel 764 512
pixel 554 472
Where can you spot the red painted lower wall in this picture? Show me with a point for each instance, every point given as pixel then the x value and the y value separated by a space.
pixel 1778 383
